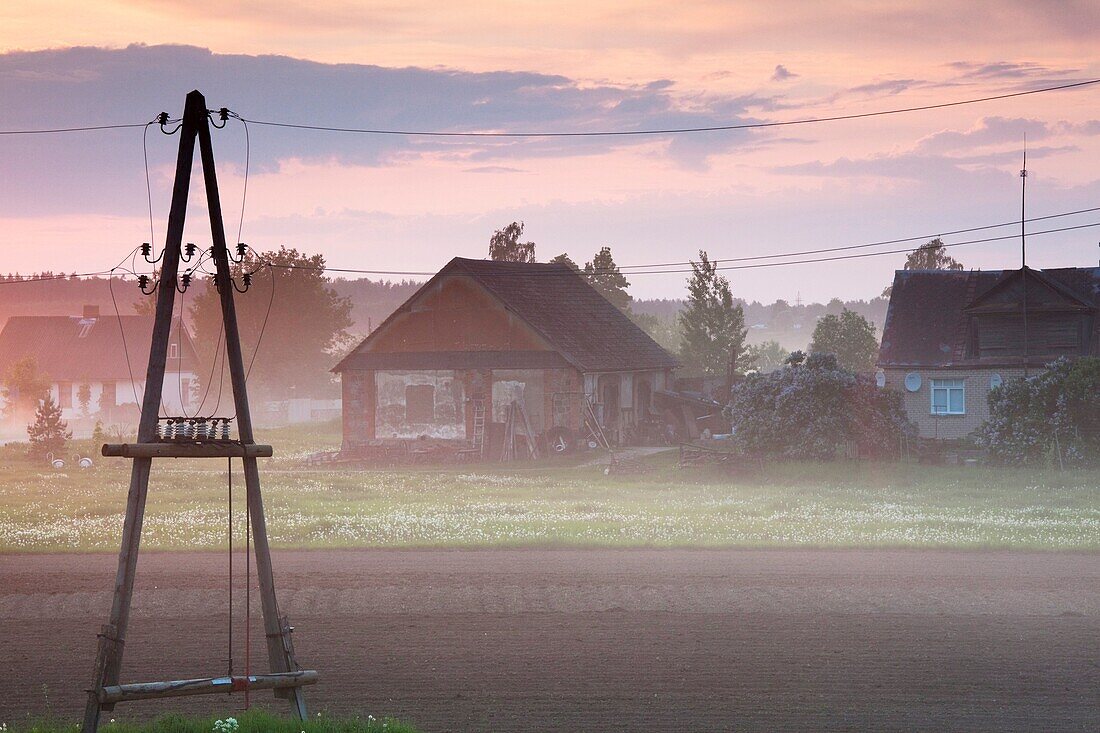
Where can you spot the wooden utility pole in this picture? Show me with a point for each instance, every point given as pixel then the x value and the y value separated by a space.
pixel 287 677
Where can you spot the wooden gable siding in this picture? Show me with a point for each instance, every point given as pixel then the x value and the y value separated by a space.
pixel 1042 296
pixel 456 315
pixel 1049 334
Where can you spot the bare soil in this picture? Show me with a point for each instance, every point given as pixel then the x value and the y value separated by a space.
pixel 594 640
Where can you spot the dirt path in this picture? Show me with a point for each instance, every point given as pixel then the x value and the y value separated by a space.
pixel 539 640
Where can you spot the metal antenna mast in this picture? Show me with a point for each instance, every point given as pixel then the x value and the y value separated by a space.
pixel 1023 248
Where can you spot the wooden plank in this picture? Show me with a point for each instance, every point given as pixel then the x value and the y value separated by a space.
pixel 206 686
pixel 186 450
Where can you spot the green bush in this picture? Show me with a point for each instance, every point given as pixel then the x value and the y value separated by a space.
pixel 1051 416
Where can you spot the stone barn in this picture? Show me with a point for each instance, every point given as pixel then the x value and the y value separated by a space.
pixel 482 335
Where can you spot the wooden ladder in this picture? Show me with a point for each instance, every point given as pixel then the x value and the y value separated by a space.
pixel 479 426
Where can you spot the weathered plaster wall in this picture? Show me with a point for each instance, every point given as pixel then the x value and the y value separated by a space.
pixel 357 391
pixel 449 409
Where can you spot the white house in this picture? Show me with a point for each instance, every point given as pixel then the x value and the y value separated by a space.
pixel 105 358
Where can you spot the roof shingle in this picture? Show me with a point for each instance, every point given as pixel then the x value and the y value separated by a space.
pixel 583 326
pixel 64 354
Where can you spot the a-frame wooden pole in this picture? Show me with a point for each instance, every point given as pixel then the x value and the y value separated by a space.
pixel 112 638
pixel 280 649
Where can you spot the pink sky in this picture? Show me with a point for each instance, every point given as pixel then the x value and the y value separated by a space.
pixel 412 205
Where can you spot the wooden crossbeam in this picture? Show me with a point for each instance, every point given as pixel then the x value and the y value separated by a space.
pixel 169 449
pixel 205 686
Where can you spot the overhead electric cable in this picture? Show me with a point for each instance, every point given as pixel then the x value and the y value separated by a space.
pixel 73 129
pixel 881 243
pixel 669 130
pixel 545 273
pixel 148 184
pixel 640 269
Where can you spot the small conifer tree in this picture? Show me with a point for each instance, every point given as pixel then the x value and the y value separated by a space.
pixel 99 435
pixel 48 433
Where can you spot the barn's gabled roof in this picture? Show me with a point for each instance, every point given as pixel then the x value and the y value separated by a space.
pixel 926 323
pixel 587 330
pixel 71 348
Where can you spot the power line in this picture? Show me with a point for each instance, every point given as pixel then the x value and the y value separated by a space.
pixel 594 133
pixel 881 243
pixel 548 273
pixel 46 278
pixel 671 130
pixel 651 268
pixel 73 129
pixel 893 251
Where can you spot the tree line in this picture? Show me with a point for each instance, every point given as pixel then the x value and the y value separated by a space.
pixel 709 331
pixel 298 323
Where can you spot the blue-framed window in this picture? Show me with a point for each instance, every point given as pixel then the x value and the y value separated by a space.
pixel 948 397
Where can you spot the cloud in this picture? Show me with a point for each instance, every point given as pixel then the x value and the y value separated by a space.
pixel 988 131
pixel 78 86
pixel 782 73
pixel 1006 70
pixel 494 169
pixel 1089 127
pixel 951 173
pixel 891 86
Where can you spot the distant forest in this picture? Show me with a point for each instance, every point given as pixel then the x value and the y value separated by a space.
pixel 790 325
pixel 373 300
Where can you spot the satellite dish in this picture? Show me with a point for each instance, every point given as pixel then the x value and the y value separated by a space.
pixel 912 381
pixel 995 381
pixel 880 378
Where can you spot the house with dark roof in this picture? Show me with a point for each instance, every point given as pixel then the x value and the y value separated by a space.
pixel 481 335
pixel 951 336
pixel 107 354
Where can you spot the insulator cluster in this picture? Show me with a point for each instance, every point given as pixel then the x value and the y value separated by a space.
pixel 193 428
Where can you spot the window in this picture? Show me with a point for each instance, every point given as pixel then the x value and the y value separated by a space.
pixel 109 396
pixel 173 351
pixel 948 397
pixel 64 395
pixel 419 403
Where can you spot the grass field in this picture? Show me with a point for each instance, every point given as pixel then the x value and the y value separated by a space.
pixel 551 504
pixel 254 721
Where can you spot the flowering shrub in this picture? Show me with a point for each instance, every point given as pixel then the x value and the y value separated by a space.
pixel 805 410
pixel 1052 415
pixel 229 725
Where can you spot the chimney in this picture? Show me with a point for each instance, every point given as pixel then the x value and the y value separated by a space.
pixel 91 312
